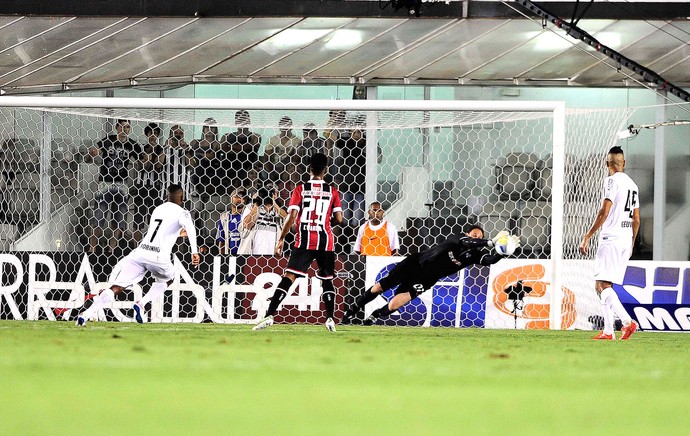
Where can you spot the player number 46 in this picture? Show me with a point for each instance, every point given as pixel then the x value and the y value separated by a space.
pixel 631 202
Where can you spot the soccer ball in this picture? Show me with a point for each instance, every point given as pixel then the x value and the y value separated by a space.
pixel 505 245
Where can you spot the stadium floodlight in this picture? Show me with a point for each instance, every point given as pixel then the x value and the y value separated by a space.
pixel 632 131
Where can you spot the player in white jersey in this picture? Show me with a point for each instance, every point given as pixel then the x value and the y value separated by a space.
pixel 619 220
pixel 153 254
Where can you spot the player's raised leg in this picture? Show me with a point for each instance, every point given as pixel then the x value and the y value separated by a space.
pixel 129 272
pixel 399 300
pixel 278 297
pixel 359 303
pixel 103 299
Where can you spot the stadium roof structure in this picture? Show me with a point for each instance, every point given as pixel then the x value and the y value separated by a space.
pixel 66 45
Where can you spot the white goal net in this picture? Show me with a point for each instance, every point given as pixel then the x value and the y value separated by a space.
pixel 73 203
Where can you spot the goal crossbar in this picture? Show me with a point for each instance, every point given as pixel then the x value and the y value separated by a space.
pixel 253 104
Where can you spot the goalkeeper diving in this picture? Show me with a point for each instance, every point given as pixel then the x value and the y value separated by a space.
pixel 420 271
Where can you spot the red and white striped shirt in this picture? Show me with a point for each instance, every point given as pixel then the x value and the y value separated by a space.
pixel 315 202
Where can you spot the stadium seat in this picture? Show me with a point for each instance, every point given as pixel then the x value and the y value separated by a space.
pixel 64 174
pixel 443 200
pixel 515 176
pixel 443 227
pixel 22 195
pixel 577 215
pixel 535 226
pixel 498 216
pixel 8 234
pixel 27 181
pixel 21 154
pixel 416 232
pixel 387 193
pixel 543 178
pixel 407 246
pixel 578 187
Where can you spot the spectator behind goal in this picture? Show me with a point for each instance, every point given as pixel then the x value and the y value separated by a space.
pixel 377 237
pixel 228 228
pixel 280 148
pixel 147 189
pixel 116 153
pixel 241 148
pixel 263 223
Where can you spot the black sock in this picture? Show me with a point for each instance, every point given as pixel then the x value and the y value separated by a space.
pixel 279 295
pixel 363 299
pixel 328 297
pixel 382 312
pixel 358 304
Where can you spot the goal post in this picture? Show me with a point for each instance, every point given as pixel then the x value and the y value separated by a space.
pixel 436 166
pixel 557 192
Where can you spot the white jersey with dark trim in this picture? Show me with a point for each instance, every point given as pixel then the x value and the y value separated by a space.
pixel 164 228
pixel 625 196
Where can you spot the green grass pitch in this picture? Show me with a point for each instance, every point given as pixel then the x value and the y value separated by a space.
pixel 112 378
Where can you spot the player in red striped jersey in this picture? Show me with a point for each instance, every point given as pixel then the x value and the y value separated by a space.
pixel 313 205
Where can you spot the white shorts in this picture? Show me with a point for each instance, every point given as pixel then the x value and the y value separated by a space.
pixel 132 268
pixel 611 261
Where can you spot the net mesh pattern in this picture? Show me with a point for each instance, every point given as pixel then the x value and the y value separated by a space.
pixel 72 207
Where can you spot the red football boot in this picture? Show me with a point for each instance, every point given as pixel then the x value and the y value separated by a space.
pixel 628 330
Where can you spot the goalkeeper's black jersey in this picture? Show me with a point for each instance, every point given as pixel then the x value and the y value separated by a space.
pixel 454 254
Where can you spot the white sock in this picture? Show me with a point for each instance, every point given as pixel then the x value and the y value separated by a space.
pixel 157 289
pixel 102 300
pixel 615 304
pixel 608 315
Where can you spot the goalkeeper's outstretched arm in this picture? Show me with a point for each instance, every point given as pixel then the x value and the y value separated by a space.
pixel 491 258
pixel 470 242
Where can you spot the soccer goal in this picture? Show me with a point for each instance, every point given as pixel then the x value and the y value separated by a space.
pixel 72 207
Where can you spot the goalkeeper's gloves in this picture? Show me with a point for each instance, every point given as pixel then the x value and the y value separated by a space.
pixel 516 240
pixel 495 239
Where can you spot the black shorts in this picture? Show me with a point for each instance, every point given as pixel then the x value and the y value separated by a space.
pixel 409 276
pixel 301 259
